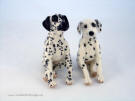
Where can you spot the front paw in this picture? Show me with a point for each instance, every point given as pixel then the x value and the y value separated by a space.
pixel 45 79
pixel 52 84
pixel 69 81
pixel 100 79
pixel 87 81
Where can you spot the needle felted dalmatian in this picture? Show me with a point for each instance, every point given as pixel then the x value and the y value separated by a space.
pixel 89 53
pixel 56 50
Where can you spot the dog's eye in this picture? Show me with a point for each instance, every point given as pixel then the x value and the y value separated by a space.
pixel 93 24
pixel 85 26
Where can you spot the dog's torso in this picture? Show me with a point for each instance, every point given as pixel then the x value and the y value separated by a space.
pixel 56 46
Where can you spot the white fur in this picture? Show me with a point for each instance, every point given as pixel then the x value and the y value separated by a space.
pixel 89 55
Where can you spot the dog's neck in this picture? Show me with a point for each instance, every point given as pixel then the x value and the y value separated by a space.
pixel 88 38
pixel 56 34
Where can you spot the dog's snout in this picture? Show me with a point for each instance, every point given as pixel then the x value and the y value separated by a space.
pixel 91 33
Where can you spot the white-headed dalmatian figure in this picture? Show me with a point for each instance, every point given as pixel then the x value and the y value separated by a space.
pixel 56 50
pixel 89 53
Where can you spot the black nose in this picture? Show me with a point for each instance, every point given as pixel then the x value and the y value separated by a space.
pixel 91 33
pixel 55 18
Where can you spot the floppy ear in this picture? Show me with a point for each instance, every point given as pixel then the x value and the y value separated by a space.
pixel 79 27
pixel 99 25
pixel 65 24
pixel 46 23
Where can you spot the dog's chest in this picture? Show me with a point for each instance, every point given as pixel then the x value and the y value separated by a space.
pixel 89 50
pixel 59 49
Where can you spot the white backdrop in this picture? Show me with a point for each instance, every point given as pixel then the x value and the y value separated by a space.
pixel 21 46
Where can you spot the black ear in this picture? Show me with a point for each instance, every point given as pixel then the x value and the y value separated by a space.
pixel 46 23
pixel 64 25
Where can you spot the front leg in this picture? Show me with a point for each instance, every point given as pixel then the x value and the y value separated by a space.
pixel 83 66
pixel 49 72
pixel 98 64
pixel 99 70
pixel 68 64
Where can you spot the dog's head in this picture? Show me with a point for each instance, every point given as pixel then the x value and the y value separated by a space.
pixel 89 27
pixel 56 22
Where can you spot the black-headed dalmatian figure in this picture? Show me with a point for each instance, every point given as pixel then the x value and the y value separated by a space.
pixel 56 50
pixel 89 53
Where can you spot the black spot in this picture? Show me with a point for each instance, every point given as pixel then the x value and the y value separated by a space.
pixel 46 75
pixel 97 64
pixel 66 58
pixel 58 45
pixel 65 49
pixel 46 49
pixel 90 39
pixel 91 56
pixel 69 72
pixel 93 48
pixel 86 53
pixel 70 65
pixel 83 65
pixel 84 44
pixel 93 24
pixel 85 26
pixel 69 78
pixel 49 80
pixel 50 73
pixel 90 44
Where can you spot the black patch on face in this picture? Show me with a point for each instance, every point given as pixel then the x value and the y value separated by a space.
pixel 85 26
pixel 55 18
pixel 46 23
pixel 91 33
pixel 93 24
pixel 64 24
